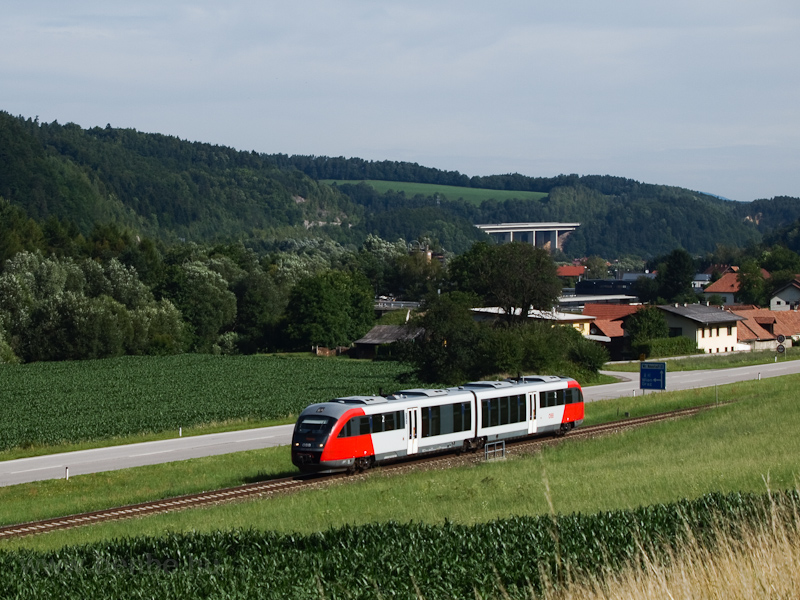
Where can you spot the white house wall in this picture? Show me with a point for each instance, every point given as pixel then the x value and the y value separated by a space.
pixel 711 339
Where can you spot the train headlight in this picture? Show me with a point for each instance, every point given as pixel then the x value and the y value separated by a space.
pixel 322 445
pixel 297 443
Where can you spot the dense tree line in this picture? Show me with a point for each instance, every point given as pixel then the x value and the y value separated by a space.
pixel 159 185
pixel 66 296
pixel 171 189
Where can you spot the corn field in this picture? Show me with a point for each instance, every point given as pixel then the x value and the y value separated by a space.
pixel 513 558
pixel 62 402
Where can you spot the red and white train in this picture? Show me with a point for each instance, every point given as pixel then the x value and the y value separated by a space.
pixel 357 432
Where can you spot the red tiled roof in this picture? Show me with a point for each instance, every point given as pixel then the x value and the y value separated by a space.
pixel 571 271
pixel 727 284
pixel 610 312
pixel 786 322
pixel 749 331
pixel 608 328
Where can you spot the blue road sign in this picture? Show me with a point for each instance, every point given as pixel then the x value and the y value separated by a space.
pixel 653 376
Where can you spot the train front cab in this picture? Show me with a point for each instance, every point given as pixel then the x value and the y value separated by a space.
pixel 347 441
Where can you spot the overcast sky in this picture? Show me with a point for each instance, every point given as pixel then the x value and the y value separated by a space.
pixel 703 94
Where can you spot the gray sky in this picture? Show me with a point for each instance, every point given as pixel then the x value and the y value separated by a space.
pixel 703 94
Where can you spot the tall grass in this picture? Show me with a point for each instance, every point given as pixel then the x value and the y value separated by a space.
pixel 753 561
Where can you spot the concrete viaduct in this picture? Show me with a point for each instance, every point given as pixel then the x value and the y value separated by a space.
pixel 542 235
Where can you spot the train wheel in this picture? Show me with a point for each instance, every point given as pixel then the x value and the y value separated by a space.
pixel 565 427
pixel 365 462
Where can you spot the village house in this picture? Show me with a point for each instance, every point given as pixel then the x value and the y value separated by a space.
pixel 714 329
pixel 787 297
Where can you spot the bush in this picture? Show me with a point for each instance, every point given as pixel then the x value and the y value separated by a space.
pixel 588 355
pixel 662 347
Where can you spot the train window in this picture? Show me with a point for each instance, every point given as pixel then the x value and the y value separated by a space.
pixel 315 424
pixel 553 398
pixel 461 417
pixel 431 421
pixel 387 421
pixel 378 422
pixel 517 409
pixel 447 423
pixel 355 426
pixel 505 416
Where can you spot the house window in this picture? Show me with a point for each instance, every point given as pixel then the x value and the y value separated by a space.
pixel 675 331
pixel 703 333
pixel 730 329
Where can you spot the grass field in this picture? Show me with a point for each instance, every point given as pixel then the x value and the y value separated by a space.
pixel 471 195
pixel 708 361
pixel 736 447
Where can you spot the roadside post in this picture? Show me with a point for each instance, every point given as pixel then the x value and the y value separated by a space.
pixel 653 376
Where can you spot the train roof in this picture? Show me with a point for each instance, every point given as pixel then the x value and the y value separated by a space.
pixel 339 406
pixel 416 392
pixel 487 384
pixel 539 379
pixel 363 400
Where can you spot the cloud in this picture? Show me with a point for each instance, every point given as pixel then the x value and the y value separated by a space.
pixel 627 89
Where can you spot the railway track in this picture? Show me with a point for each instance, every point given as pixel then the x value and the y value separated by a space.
pixel 300 482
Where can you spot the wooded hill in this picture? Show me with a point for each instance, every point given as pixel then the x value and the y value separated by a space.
pixel 171 189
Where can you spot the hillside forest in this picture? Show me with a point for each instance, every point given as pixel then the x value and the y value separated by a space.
pixel 118 242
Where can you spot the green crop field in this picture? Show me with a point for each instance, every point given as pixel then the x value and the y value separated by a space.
pixel 493 530
pixel 451 192
pixel 45 404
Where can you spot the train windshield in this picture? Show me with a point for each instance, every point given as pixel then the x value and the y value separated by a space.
pixel 315 424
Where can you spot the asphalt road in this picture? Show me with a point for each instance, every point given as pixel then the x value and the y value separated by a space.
pixel 54 466
pixel 684 380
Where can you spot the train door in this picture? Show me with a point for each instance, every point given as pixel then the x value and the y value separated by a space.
pixel 533 401
pixel 413 429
